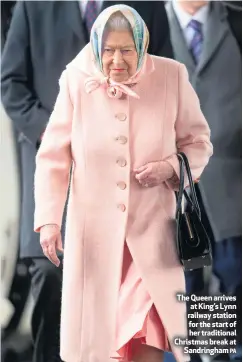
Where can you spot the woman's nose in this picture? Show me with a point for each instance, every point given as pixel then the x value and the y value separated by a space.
pixel 117 58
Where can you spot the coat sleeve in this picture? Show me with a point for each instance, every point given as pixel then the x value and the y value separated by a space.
pixel 18 95
pixel 192 132
pixel 53 162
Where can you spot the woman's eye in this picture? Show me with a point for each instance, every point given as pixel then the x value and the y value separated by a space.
pixel 109 51
pixel 126 51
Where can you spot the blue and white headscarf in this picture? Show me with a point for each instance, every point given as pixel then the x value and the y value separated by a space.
pixel 139 29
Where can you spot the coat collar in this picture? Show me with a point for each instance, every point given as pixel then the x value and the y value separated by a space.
pixel 217 19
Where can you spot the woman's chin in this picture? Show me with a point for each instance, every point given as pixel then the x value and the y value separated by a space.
pixel 119 77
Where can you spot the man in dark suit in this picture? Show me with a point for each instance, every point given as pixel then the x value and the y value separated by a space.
pixel 206 36
pixel 43 38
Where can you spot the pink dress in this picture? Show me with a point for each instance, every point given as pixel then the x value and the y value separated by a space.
pixel 137 317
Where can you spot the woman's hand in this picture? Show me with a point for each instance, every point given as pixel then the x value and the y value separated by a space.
pixel 51 241
pixel 154 173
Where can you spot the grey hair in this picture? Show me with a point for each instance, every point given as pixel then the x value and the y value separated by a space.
pixel 118 22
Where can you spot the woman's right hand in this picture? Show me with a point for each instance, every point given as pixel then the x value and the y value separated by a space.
pixel 51 241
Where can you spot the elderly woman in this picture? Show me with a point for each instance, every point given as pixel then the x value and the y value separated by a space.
pixel 119 120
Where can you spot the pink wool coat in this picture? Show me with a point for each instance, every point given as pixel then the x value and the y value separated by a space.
pixel 105 139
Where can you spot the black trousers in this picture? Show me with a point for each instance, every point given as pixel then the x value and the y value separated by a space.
pixel 46 283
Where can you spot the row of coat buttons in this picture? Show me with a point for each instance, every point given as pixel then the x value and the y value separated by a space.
pixel 121 161
pixel 122 185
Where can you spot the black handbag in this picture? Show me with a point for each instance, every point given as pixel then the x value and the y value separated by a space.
pixel 193 244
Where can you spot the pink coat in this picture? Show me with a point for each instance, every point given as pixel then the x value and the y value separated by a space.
pixel 104 139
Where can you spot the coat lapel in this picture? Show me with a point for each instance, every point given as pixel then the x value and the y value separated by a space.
pixel 180 47
pixel 74 19
pixel 212 39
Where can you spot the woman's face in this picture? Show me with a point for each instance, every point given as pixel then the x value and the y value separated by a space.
pixel 119 56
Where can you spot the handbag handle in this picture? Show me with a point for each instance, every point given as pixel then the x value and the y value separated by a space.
pixel 179 194
pixel 184 166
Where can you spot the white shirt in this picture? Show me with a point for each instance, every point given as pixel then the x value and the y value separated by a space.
pixel 83 4
pixel 184 19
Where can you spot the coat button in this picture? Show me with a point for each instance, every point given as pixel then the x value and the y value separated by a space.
pixel 122 185
pixel 121 162
pixel 121 139
pixel 121 207
pixel 121 116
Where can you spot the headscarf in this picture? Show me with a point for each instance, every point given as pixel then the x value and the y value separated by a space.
pixel 141 40
pixel 138 26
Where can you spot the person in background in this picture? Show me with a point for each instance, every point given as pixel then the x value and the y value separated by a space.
pixel 42 39
pixel 206 37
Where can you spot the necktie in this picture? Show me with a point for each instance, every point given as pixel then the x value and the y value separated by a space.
pixel 90 14
pixel 197 40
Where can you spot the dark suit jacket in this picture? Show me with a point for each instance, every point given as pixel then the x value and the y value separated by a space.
pixel 43 38
pixel 217 81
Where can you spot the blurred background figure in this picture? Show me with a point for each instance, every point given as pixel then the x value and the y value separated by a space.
pixel 206 37
pixel 15 282
pixel 43 37
pixel 9 221
pixel 10 178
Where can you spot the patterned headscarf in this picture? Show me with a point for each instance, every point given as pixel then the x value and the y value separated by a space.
pixel 139 29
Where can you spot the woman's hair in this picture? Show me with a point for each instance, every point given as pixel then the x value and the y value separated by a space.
pixel 118 22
